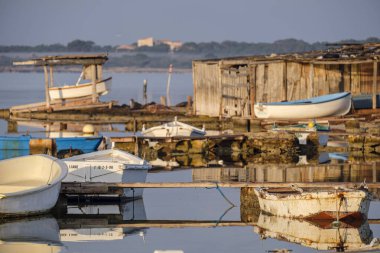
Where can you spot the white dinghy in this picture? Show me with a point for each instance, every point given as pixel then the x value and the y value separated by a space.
pixel 30 184
pixel 111 165
pixel 337 104
pixel 79 90
pixel 174 128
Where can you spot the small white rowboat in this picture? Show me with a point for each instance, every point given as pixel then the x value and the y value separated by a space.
pixel 314 204
pixel 80 90
pixel 174 128
pixel 111 165
pixel 30 184
pixel 337 104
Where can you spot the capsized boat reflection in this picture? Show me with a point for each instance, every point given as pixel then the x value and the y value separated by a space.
pixel 320 236
pixel 32 234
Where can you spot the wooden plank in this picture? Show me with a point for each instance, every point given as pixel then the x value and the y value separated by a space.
pixel 252 89
pixel 104 188
pixel 374 85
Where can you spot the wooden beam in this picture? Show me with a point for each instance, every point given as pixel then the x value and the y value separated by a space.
pixel 252 89
pixel 374 85
pixel 285 81
pixel 93 80
pixel 108 188
pixel 73 221
pixel 51 77
pixel 47 95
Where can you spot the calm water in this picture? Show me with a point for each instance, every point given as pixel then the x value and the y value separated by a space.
pixel 157 204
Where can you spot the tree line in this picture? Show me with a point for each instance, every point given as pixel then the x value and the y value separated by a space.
pixel 142 57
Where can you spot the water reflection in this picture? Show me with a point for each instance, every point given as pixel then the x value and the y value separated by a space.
pixel 36 234
pixel 100 221
pixel 320 236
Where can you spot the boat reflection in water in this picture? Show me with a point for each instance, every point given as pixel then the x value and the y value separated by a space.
pixel 35 234
pixel 100 222
pixel 317 235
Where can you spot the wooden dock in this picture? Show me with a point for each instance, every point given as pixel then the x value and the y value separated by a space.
pixel 116 188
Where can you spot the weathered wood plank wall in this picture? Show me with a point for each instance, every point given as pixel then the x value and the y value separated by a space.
pixel 229 87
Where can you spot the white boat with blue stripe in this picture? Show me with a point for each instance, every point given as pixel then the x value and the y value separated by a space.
pixel 337 104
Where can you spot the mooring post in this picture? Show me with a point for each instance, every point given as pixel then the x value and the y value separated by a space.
pixel 47 95
pixel 189 109
pixel 12 126
pixel 145 88
pixel 163 100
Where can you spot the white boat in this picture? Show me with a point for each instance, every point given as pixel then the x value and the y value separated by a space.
pixel 327 204
pixel 80 90
pixel 337 104
pixel 320 236
pixel 109 165
pixel 32 234
pixel 174 128
pixel 30 184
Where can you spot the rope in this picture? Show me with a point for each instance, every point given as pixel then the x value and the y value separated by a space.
pixel 221 193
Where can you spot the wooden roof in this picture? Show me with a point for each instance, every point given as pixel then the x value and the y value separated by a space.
pixel 79 59
pixel 344 54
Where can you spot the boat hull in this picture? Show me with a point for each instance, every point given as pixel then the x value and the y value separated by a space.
pixel 85 144
pixel 111 166
pixel 78 91
pixel 336 107
pixel 106 172
pixel 323 204
pixel 30 184
pixel 14 142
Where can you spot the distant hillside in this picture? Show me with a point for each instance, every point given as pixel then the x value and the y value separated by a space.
pixel 160 56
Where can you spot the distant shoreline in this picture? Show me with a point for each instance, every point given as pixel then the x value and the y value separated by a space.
pixel 28 69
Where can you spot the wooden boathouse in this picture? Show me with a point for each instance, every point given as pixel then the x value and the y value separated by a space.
pixel 230 87
pixel 92 69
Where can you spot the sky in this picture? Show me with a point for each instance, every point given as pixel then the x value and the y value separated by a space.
pixel 115 22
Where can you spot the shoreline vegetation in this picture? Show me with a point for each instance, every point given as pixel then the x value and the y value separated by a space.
pixel 158 58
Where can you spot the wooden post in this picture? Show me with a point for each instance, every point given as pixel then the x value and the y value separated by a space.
pixel 12 126
pixel 163 100
pixel 374 85
pixel 47 96
pixel 93 80
pixel 145 89
pixel 189 105
pixel 51 77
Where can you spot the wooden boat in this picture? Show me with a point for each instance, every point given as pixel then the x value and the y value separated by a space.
pixel 30 184
pixel 337 104
pixel 174 128
pixel 110 165
pixel 36 234
pixel 80 90
pixel 315 204
pixel 320 236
